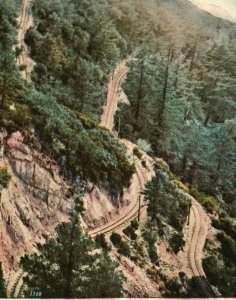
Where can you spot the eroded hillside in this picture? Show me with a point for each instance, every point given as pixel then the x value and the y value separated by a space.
pixel 148 225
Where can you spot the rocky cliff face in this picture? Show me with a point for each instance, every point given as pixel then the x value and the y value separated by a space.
pixel 33 204
pixel 101 207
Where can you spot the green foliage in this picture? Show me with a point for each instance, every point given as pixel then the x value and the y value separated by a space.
pixel 165 201
pixel 151 239
pixel 227 225
pixel 2 284
pixel 228 246
pixel 181 90
pixel 67 267
pixel 219 266
pixel 134 224
pixel 209 202
pixel 173 289
pixel 130 232
pixel 137 153
pixel 101 241
pixel 75 45
pixel 4 177
pixel 122 247
pixel 106 164
pixel 177 242
pixel 53 105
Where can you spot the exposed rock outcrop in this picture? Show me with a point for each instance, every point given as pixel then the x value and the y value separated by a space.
pixel 33 204
pixel 102 208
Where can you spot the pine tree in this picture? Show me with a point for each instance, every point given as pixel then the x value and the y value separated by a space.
pixel 69 265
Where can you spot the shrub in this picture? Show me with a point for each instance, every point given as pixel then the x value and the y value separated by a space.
pixel 130 232
pixel 144 145
pixel 173 289
pixel 151 239
pixel 144 163
pixel 160 164
pixel 228 246
pixel 181 185
pixel 4 177
pixel 115 238
pixel 176 242
pixel 101 241
pixel 121 246
pixel 134 224
pixel 227 225
pixel 209 202
pixel 137 153
pixel 87 122
pixel 220 271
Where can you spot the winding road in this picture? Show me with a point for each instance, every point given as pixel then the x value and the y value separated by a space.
pixel 197 228
pixel 199 222
pixel 196 234
pixel 143 174
pixel 25 21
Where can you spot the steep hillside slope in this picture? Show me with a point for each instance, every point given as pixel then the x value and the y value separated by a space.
pixel 155 225
pixel 25 21
pixel 34 203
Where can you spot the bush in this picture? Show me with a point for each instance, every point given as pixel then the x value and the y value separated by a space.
pixel 144 163
pixel 228 246
pixel 137 153
pixel 209 202
pixel 4 177
pixel 134 224
pixel 227 225
pixel 173 289
pixel 176 242
pixel 130 232
pixel 151 239
pixel 121 246
pixel 181 185
pixel 101 241
pixel 221 273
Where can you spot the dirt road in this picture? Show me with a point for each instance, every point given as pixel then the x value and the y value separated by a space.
pixel 25 21
pixel 191 258
pixel 143 174
pixel 199 222
pixel 114 94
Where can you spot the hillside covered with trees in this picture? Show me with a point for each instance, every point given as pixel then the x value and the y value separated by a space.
pixel 181 89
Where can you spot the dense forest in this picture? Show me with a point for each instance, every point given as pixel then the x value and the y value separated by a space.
pixel 181 89
pixel 62 128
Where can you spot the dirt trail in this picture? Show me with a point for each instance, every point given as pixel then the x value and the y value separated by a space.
pixel 136 201
pixel 143 174
pixel 25 21
pixel 114 95
pixel 197 229
pixel 195 235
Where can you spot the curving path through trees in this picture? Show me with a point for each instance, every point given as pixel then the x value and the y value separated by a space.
pixel 199 222
pixel 107 120
pixel 196 234
pixel 25 21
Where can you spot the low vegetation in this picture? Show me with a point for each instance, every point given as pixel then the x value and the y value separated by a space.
pixel 130 230
pixel 166 202
pixel 122 247
pixel 2 284
pixel 219 265
pixel 64 130
pixel 69 266
pixel 4 177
